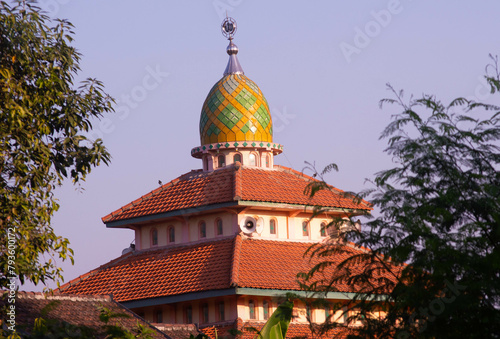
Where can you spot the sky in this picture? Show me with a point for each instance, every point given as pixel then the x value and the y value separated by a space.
pixel 323 67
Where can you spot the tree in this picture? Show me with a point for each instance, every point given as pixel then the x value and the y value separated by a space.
pixel 43 121
pixel 439 223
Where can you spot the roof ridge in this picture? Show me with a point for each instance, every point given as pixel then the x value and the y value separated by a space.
pixel 301 174
pixel 345 194
pixel 235 264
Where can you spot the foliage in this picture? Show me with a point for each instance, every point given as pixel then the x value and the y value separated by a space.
pixel 43 119
pixel 435 247
pixel 277 324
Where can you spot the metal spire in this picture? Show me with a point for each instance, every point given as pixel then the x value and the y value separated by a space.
pixel 228 28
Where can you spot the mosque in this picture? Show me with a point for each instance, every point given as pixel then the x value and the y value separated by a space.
pixel 221 246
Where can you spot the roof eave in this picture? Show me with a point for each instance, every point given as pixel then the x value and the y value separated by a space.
pixel 178 298
pixel 307 294
pixel 127 223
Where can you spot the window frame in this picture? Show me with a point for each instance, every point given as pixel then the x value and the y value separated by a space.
pixel 202 226
pixel 266 305
pixel 188 313
pixel 170 235
pixel 275 227
pixel 305 230
pixel 322 229
pixel 217 220
pixel 255 158
pixel 153 237
pixel 252 315
pixel 219 157
pixel 221 310
pixel 158 316
pixel 238 155
pixel 204 307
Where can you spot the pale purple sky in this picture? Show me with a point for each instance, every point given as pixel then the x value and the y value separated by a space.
pixel 322 65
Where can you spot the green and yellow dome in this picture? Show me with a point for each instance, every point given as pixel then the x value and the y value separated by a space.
pixel 235 110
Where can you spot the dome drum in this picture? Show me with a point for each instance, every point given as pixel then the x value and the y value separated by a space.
pixel 274 148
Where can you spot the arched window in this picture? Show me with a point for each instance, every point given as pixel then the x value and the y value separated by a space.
pixel 203 230
pixel 252 159
pixel 268 162
pixel 171 234
pixel 221 161
pixel 305 228
pixel 265 307
pixel 154 237
pixel 237 157
pixel 251 309
pixel 272 226
pixel 322 230
pixel 219 230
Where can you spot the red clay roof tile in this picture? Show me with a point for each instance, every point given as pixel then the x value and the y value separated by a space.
pixel 231 184
pixel 230 262
pixel 161 272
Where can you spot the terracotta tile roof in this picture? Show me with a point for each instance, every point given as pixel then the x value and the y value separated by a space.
pixel 161 272
pixel 296 330
pixel 231 262
pixel 271 264
pixel 221 330
pixel 71 309
pixel 232 184
pixel 247 329
pixel 178 331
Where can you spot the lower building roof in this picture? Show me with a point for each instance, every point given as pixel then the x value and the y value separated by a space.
pixel 77 312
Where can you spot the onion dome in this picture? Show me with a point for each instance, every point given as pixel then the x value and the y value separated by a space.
pixel 235 110
pixel 235 121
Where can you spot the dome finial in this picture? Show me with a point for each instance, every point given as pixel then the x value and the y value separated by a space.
pixel 228 29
